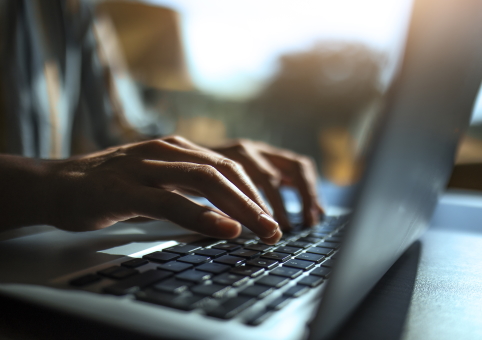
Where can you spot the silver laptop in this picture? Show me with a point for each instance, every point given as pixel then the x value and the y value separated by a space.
pixel 158 281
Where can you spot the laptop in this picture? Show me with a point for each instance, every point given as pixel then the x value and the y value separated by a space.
pixel 155 280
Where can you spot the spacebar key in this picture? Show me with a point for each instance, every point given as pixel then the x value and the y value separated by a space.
pixel 231 307
pixel 134 283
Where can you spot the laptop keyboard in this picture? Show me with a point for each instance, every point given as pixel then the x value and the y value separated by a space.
pixel 223 278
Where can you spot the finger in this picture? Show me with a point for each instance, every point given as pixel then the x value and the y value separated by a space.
pixel 180 150
pixel 299 172
pixel 268 179
pixel 274 197
pixel 209 183
pixel 303 179
pixel 273 239
pixel 265 176
pixel 305 183
pixel 161 204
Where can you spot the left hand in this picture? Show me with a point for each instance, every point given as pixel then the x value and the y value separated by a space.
pixel 269 168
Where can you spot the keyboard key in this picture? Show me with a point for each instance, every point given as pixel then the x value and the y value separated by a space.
pixel 248 271
pixel 321 271
pixel 122 273
pixel 108 271
pixel 287 272
pixel 117 273
pixel 134 283
pixel 299 244
pixel 214 268
pixel 273 281
pixel 159 256
pixel 296 291
pixel 175 266
pixel 212 253
pixel 184 302
pixel 329 245
pixel 244 241
pixel 228 279
pixel 214 290
pixel 278 303
pixel 310 257
pixel 334 239
pixel 194 259
pixel 85 280
pixel 289 250
pixel 230 260
pixel 311 281
pixel 310 239
pixel 320 251
pixel 206 242
pixel 282 257
pixel 264 263
pixel 258 247
pixel 327 263
pixel 300 264
pixel 194 275
pixel 134 263
pixel 232 307
pixel 173 286
pixel 246 253
pixel 183 250
pixel 257 291
pixel 259 318
pixel 227 246
pixel 320 234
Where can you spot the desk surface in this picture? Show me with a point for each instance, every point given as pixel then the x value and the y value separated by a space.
pixel 434 291
pixel 447 299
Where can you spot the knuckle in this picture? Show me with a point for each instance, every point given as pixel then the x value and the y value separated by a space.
pixel 230 165
pixel 241 146
pixel 306 160
pixel 204 171
pixel 274 181
pixel 272 177
pixel 175 139
pixel 154 145
pixel 303 162
pixel 157 144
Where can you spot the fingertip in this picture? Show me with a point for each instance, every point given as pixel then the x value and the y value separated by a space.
pixel 269 225
pixel 273 239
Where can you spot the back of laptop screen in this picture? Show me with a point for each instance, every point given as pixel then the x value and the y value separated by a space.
pixel 428 108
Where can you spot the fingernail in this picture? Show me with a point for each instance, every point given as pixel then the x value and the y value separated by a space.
pixel 273 239
pixel 269 224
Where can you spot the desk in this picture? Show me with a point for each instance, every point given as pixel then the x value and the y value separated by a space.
pixel 434 291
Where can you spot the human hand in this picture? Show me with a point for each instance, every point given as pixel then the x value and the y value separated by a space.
pixel 270 167
pixel 148 179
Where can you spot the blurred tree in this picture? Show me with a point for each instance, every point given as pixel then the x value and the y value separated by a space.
pixel 328 90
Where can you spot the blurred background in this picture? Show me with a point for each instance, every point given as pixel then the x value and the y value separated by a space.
pixel 307 76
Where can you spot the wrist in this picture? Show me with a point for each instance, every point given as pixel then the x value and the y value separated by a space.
pixel 25 192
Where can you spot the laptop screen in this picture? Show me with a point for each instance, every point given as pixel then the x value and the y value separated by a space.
pixel 427 110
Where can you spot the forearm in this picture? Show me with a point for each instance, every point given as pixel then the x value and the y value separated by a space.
pixel 24 192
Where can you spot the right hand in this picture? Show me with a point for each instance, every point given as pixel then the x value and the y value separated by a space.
pixel 148 179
